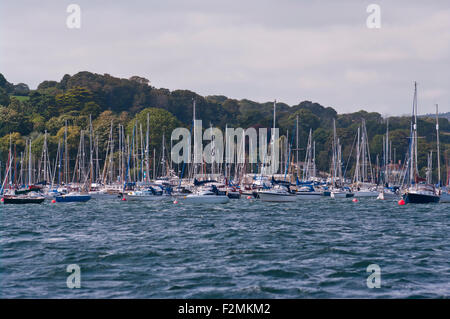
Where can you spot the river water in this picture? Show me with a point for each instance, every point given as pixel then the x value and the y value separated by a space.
pixel 243 249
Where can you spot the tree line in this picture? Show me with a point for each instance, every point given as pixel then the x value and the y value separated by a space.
pixel 26 114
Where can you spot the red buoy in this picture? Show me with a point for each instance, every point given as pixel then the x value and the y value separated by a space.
pixel 124 199
pixel 53 201
pixel 401 202
pixel 249 197
pixel 2 200
pixel 175 201
pixel 354 200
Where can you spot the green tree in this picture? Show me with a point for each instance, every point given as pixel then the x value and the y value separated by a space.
pixel 4 97
pixel 161 122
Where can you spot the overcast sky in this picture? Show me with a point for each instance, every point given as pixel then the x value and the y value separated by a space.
pixel 289 50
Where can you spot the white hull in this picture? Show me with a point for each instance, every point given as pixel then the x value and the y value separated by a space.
pixel 387 196
pixel 146 198
pixel 338 195
pixel 101 196
pixel 274 197
pixel 445 198
pixel 206 199
pixel 366 194
pixel 308 195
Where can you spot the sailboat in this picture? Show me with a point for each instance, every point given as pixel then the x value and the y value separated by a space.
pixel 364 187
pixel 11 197
pixel 417 193
pixel 387 192
pixel 443 191
pixel 337 190
pixel 305 189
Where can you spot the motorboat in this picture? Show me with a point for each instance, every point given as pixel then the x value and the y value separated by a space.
pixel 207 195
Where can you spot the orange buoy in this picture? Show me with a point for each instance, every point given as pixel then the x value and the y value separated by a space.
pixel 53 201
pixel 401 202
pixel 354 200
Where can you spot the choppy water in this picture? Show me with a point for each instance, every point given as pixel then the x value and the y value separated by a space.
pixel 244 249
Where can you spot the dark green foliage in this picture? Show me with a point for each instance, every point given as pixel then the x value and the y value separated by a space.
pixel 109 99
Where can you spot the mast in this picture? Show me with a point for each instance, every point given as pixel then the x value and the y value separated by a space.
pixel 333 167
pixel 163 158
pixel 273 131
pixel 111 158
pixel 438 151
pixel 29 164
pixel 66 156
pixel 296 147
pixel 45 155
pixel 154 161
pixel 147 149
pixel 357 177
pixel 415 131
pixel 91 157
pixel 387 152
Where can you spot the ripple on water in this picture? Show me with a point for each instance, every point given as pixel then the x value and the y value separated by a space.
pixel 244 249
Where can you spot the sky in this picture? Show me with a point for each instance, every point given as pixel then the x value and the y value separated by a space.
pixel 288 50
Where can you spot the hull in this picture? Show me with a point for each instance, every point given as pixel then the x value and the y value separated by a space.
pixel 145 198
pixel 234 195
pixel 341 195
pixel 309 195
pixel 104 196
pixel 72 198
pixel 445 198
pixel 19 200
pixel 366 194
pixel 273 197
pixel 206 199
pixel 387 196
pixel 420 198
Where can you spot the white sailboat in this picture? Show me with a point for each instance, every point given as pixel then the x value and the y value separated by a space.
pixel 417 193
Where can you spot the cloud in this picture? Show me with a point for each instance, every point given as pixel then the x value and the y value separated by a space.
pixel 290 50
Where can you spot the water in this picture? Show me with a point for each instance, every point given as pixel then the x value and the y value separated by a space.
pixel 244 249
